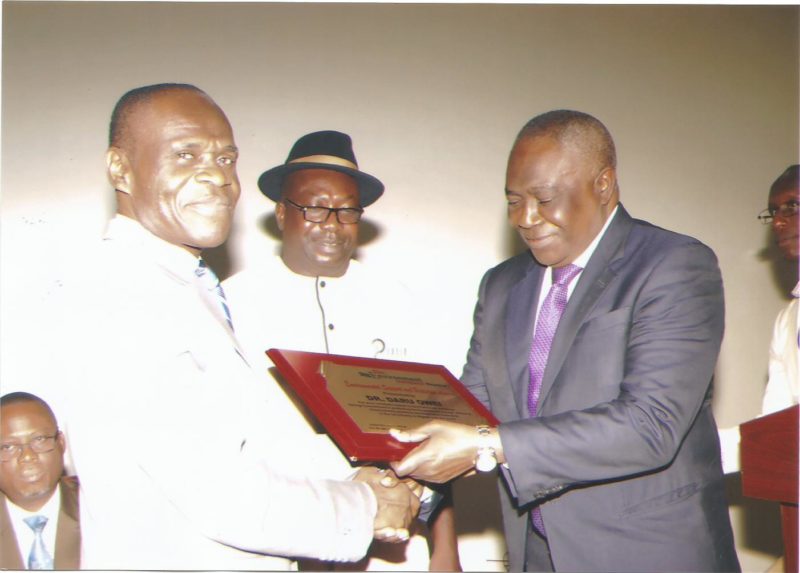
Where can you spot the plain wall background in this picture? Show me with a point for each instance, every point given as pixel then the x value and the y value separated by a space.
pixel 702 102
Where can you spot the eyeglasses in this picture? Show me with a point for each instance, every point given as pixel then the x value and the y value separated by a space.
pixel 784 211
pixel 38 444
pixel 314 214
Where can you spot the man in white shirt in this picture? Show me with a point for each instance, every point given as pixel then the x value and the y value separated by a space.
pixel 39 526
pixel 783 386
pixel 316 297
pixel 173 437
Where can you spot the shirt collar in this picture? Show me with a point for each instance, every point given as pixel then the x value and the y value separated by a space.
pixel 583 259
pixel 49 509
pixel 175 260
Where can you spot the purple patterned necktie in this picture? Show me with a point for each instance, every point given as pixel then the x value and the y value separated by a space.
pixel 549 316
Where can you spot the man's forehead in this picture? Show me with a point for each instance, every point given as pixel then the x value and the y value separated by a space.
pixel 23 407
pixel 187 128
pixel 784 190
pixel 540 146
pixel 551 155
pixel 178 96
pixel 178 107
pixel 180 125
pixel 313 181
pixel 24 413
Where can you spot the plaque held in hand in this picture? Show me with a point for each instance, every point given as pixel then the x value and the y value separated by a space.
pixel 357 400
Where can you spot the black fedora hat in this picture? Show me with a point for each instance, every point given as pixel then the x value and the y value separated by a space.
pixel 322 150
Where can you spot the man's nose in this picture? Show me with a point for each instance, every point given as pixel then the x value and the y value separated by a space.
pixel 212 172
pixel 332 220
pixel 527 215
pixel 779 221
pixel 26 453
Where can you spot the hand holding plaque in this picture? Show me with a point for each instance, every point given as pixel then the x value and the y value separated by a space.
pixel 446 450
pixel 358 400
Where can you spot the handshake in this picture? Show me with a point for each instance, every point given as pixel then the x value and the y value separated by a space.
pixel 447 450
pixel 398 502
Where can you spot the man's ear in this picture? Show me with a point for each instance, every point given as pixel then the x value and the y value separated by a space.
pixel 62 442
pixel 118 169
pixel 605 184
pixel 280 214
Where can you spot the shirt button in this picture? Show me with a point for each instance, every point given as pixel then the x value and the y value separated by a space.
pixel 322 284
pixel 330 326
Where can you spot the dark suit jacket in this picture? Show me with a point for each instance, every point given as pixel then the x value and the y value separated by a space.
pixel 68 534
pixel 623 456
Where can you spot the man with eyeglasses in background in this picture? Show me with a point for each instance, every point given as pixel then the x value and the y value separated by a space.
pixel 314 296
pixel 39 523
pixel 783 386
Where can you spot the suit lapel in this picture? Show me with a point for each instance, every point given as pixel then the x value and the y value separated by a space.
pixel 68 534
pixel 522 301
pixel 10 557
pixel 595 278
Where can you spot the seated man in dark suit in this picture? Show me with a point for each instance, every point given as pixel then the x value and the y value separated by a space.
pixel 39 526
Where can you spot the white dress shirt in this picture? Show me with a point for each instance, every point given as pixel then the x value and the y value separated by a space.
pixel 24 533
pixel 180 461
pixel 581 261
pixel 357 314
pixel 783 386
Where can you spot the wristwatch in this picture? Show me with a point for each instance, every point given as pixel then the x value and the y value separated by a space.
pixel 486 460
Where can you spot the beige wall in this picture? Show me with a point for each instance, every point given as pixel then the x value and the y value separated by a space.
pixel 702 101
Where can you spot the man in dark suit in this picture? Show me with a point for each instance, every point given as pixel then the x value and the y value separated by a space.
pixel 34 495
pixel 596 354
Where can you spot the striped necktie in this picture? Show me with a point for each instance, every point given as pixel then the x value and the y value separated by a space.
pixel 211 283
pixel 38 558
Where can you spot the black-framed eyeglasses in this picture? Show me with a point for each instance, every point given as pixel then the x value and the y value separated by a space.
pixel 37 444
pixel 315 214
pixel 784 210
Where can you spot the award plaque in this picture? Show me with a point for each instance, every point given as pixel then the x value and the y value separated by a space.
pixel 358 400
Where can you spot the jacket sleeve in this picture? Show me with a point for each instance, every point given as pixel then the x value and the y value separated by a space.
pixel 473 374
pixel 653 358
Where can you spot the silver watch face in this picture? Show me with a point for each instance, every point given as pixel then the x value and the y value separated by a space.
pixel 486 461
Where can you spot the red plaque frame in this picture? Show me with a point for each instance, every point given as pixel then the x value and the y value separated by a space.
pixel 303 373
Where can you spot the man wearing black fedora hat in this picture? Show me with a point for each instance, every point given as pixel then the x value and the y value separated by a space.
pixel 315 296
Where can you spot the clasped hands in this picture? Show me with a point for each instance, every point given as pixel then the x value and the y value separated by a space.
pixel 398 502
pixel 447 450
